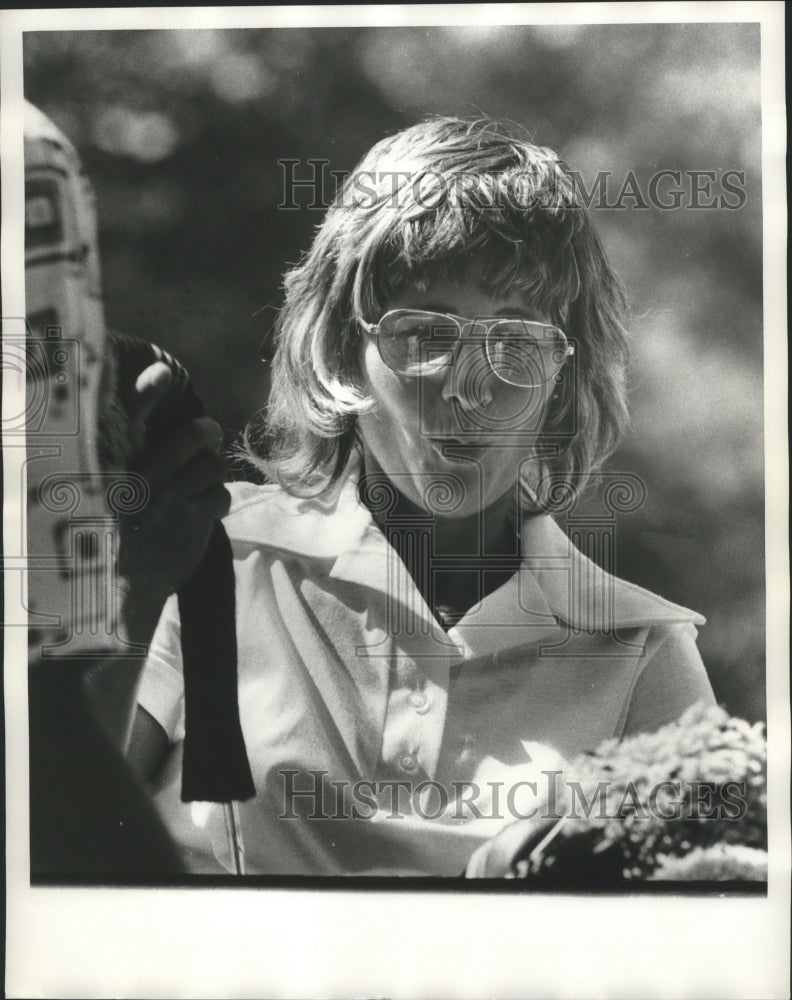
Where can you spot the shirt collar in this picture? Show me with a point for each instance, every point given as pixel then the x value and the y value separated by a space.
pixel 555 584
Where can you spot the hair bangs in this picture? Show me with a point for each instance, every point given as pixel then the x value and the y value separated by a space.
pixel 499 252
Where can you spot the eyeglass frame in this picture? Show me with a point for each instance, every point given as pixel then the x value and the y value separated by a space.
pixel 461 323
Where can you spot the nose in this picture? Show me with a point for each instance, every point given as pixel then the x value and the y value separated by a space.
pixel 469 377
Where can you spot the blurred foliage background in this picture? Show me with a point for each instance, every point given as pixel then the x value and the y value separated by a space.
pixel 181 133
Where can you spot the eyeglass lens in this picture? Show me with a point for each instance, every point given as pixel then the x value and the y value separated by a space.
pixel 520 352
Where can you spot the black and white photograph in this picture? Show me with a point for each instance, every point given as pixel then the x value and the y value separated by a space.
pixel 395 501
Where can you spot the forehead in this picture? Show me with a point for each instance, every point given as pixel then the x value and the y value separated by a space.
pixel 466 299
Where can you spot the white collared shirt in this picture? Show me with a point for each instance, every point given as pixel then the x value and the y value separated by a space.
pixel 352 694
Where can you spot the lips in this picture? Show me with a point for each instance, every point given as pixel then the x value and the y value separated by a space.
pixel 454 449
pixel 455 439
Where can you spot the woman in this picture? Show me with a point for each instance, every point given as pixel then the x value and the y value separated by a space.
pixel 411 620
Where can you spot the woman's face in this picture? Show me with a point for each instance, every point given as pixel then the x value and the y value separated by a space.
pixel 460 428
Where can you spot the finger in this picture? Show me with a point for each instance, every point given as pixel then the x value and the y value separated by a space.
pixel 175 511
pixel 202 472
pixel 200 512
pixel 214 502
pixel 495 857
pixel 186 441
pixel 174 503
pixel 151 387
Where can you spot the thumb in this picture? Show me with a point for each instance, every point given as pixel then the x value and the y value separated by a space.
pixel 151 387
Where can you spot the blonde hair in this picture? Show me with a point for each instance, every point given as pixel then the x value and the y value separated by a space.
pixel 438 200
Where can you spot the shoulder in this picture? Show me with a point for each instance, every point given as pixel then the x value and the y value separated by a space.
pixel 263 514
pixel 244 495
pixel 673 677
pixel 268 517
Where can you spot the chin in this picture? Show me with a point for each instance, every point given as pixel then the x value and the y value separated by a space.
pixel 455 497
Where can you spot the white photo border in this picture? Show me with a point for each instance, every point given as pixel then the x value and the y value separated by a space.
pixel 217 942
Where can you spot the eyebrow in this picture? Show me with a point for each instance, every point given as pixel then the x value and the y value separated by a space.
pixel 440 307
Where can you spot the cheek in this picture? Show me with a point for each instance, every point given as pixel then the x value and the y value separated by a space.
pixel 392 396
pixel 383 427
pixel 516 410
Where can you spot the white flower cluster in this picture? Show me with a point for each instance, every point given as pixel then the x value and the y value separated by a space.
pixel 712 770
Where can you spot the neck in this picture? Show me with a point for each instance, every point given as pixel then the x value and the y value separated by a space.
pixel 489 532
pixel 492 531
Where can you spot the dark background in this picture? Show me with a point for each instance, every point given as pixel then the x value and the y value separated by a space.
pixel 181 133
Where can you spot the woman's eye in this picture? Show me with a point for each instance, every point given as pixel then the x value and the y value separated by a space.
pixel 434 351
pixel 436 332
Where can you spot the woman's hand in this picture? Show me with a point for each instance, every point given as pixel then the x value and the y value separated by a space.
pixel 163 543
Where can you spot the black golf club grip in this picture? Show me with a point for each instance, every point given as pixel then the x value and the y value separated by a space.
pixel 216 767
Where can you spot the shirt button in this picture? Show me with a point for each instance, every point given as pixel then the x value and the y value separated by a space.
pixel 420 702
pixel 408 763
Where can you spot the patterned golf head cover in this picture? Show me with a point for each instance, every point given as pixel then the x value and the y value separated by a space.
pixel 71 503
